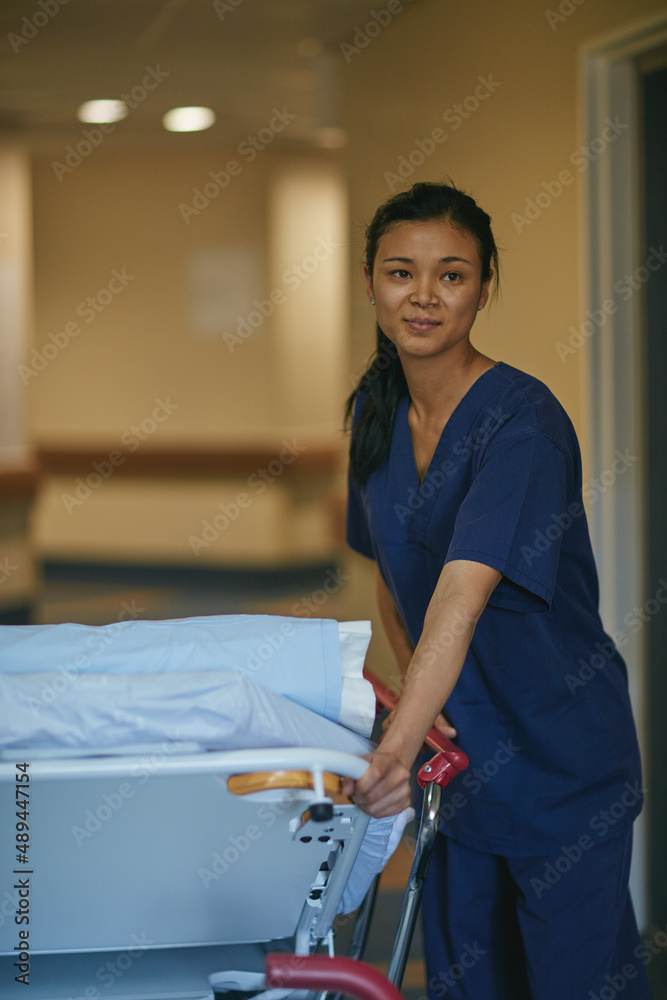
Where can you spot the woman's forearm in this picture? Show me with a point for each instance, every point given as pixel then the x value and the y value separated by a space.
pixel 460 596
pixel 430 679
pixel 449 625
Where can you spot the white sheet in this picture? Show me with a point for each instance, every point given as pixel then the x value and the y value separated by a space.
pixel 214 709
pixel 315 662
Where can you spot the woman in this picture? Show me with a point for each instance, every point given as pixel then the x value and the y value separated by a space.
pixel 466 489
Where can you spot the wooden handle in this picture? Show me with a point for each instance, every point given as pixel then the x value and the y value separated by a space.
pixel 260 781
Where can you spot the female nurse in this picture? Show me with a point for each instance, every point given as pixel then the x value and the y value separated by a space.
pixel 466 490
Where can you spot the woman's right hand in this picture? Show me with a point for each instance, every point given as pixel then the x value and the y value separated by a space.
pixel 384 790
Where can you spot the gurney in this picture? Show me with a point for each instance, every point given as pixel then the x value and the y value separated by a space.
pixel 140 867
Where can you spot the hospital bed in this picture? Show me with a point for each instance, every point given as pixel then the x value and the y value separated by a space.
pixel 142 856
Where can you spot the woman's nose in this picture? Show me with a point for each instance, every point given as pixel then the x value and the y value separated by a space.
pixel 424 292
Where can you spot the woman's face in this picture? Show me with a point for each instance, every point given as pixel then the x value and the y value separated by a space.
pixel 427 285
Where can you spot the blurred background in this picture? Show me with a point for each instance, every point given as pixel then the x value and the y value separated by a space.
pixel 183 312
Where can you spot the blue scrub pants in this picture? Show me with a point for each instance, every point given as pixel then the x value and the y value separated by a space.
pixel 547 928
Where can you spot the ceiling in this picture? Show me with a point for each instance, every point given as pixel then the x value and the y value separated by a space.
pixel 240 57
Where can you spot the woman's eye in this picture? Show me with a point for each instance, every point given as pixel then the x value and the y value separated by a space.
pixel 452 275
pixel 401 273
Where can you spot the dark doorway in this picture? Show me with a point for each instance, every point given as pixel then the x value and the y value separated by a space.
pixel 654 99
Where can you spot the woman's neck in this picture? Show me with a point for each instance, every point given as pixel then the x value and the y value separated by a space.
pixel 437 386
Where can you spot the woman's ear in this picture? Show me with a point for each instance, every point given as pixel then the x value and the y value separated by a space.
pixel 484 295
pixel 369 284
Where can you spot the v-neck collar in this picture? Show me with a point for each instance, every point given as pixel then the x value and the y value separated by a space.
pixel 404 407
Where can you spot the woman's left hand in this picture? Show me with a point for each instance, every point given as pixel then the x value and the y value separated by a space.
pixel 384 790
pixel 444 726
pixel 441 723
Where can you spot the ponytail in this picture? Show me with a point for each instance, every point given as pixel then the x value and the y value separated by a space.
pixel 383 383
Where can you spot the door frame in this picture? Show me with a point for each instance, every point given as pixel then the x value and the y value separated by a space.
pixel 612 229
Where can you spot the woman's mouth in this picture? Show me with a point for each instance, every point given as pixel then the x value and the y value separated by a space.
pixel 420 324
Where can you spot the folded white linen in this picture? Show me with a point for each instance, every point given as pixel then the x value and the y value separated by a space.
pixel 315 662
pixel 357 702
pixel 215 709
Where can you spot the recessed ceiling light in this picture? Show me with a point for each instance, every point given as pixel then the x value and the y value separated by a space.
pixel 99 112
pixel 188 119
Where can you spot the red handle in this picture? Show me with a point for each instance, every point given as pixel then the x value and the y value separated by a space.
pixel 442 770
pixel 319 972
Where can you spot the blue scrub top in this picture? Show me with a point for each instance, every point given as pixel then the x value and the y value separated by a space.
pixel 541 706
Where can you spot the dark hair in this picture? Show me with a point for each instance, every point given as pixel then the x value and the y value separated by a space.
pixel 383 383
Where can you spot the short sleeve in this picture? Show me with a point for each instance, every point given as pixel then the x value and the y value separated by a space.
pixel 512 519
pixel 357 533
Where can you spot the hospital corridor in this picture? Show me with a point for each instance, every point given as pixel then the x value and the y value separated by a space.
pixel 195 203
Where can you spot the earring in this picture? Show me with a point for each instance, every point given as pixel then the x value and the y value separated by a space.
pixel 480 309
pixel 372 302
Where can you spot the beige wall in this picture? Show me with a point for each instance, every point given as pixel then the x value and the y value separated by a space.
pixel 18 574
pixel 431 57
pixel 140 367
pixel 16 292
pixel 513 67
pixel 120 212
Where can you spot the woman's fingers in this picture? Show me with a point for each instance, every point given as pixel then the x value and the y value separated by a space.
pixel 347 787
pixel 444 726
pixel 387 722
pixel 384 789
pixel 348 784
